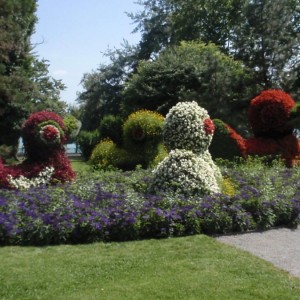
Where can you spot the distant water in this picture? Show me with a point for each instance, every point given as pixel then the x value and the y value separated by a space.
pixel 70 148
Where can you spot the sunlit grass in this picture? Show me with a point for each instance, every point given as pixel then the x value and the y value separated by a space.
pixel 195 267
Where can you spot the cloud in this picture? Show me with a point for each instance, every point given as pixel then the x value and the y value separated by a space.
pixel 60 73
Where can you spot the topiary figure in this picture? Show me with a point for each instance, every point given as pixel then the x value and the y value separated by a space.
pixel 226 142
pixel 44 135
pixel 269 113
pixel 189 168
pixel 142 133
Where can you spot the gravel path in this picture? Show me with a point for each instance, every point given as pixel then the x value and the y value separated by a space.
pixel 279 246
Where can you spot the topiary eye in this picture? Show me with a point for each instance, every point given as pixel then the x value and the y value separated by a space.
pixel 50 134
pixel 209 126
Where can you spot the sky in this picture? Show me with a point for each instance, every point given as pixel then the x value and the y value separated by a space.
pixel 73 34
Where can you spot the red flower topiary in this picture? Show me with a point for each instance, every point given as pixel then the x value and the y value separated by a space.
pixel 238 140
pixel 262 146
pixel 44 135
pixel 269 112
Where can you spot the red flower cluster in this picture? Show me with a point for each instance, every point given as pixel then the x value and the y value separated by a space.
pixel 209 126
pixel 269 112
pixel 238 140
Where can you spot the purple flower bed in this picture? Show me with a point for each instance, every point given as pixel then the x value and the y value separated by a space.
pixel 118 208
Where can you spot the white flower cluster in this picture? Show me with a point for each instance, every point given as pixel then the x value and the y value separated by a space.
pixel 184 128
pixel 23 182
pixel 185 172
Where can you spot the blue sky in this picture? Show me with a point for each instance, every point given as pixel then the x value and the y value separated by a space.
pixel 71 34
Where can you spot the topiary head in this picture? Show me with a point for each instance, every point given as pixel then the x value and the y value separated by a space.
pixel 142 132
pixel 188 126
pixel 269 112
pixel 42 132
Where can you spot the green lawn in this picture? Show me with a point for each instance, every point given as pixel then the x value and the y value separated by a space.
pixel 79 165
pixel 195 267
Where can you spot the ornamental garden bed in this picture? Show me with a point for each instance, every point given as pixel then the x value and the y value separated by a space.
pixel 116 206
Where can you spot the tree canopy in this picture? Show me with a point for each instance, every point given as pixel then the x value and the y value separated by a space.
pixel 25 84
pixel 261 37
pixel 190 71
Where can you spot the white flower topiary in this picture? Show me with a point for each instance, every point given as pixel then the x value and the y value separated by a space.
pixel 188 126
pixel 186 173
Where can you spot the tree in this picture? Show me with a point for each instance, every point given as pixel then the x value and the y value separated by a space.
pixel 191 71
pixel 268 41
pixel 264 34
pixel 25 85
pixel 102 93
pixel 155 25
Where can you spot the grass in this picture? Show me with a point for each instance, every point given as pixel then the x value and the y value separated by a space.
pixel 196 267
pixel 79 165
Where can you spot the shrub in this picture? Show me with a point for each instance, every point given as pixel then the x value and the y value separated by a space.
pixel 226 142
pixel 87 140
pixel 189 127
pixel 162 154
pixel 269 112
pixel 107 156
pixel 111 128
pixel 142 133
pixel 72 128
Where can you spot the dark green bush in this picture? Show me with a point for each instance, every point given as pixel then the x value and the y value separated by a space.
pixel 226 143
pixel 111 128
pixel 87 140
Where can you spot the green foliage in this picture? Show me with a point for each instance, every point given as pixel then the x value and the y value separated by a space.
pixel 107 156
pixel 142 133
pixel 263 34
pixel 162 153
pixel 226 143
pixel 102 89
pixel 87 140
pixel 25 84
pixel 72 126
pixel 267 41
pixel 190 71
pixel 111 128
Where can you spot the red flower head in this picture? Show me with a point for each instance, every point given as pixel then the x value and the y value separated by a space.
pixel 209 126
pixel 269 112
